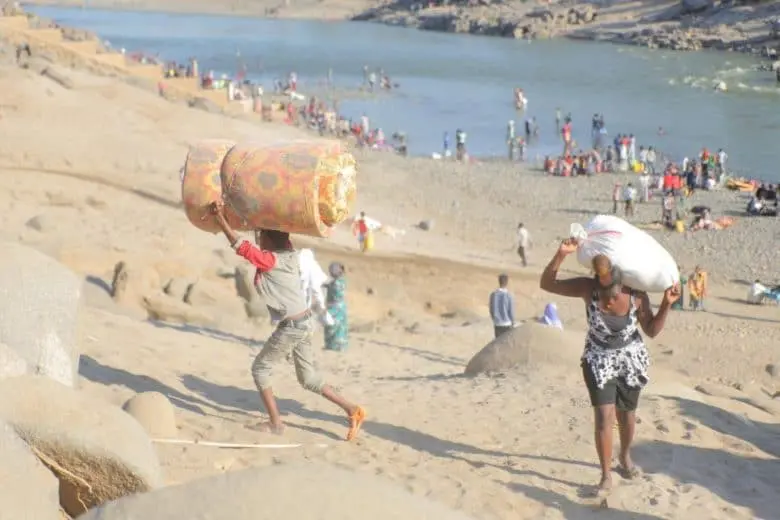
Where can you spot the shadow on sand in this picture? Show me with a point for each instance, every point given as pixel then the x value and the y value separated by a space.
pixel 208 332
pixel 97 372
pixel 424 354
pixel 749 482
pixel 572 510
pixel 232 396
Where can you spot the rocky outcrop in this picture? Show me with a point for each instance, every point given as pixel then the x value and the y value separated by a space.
pixel 484 19
pixel 685 26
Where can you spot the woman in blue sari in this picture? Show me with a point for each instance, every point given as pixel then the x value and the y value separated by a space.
pixel 337 328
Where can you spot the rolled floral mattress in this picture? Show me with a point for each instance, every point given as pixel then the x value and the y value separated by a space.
pixel 201 183
pixel 304 187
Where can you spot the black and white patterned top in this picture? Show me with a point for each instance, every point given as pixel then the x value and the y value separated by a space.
pixel 614 347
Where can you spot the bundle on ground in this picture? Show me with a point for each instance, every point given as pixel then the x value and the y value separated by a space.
pixel 304 187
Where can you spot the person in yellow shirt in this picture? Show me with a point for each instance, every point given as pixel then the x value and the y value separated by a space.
pixel 697 288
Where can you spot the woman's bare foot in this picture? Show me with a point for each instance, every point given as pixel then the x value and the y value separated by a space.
pixel 626 468
pixel 268 427
pixel 604 487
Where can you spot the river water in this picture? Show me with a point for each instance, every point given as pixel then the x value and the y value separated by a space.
pixel 453 81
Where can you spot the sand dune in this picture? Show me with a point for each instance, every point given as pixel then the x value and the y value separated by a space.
pixel 97 166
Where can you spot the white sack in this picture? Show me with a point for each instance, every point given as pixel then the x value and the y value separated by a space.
pixel 646 265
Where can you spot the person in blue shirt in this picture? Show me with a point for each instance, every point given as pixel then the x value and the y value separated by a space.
pixel 502 307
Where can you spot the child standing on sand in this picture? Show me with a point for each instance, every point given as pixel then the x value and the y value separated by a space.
pixel 362 230
pixel 278 280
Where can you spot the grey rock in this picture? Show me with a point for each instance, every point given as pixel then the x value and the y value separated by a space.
pixel 29 490
pixel 200 294
pixel 39 223
pixel 39 304
pixel 425 225
pixel 176 288
pixel 11 363
pixel 98 452
pixel 319 488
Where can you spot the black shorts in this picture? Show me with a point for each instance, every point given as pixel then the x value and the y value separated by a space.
pixel 615 391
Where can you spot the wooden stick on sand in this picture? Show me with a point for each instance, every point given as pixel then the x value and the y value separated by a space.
pixel 233 445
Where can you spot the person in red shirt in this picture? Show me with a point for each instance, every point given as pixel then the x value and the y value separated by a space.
pixel 668 181
pixel 676 184
pixel 278 280
pixel 363 233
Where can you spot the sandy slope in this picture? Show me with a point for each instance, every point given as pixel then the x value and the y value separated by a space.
pixel 98 165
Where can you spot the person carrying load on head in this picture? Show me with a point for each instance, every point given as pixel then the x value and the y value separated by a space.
pixel 278 280
pixel 615 360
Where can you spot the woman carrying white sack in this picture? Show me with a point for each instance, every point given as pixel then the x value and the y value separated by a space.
pixel 313 278
pixel 615 360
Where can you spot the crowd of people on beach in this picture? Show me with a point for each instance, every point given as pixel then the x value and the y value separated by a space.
pixel 615 361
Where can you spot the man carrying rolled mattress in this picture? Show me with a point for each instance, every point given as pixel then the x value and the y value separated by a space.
pixel 278 280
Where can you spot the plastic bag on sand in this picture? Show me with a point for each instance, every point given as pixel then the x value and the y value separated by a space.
pixel 646 265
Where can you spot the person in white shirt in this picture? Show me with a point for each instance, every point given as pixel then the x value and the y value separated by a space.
pixel 643 155
pixel 629 196
pixel 523 243
pixel 651 160
pixel 723 157
pixel 312 280
pixel 757 293
pixel 644 187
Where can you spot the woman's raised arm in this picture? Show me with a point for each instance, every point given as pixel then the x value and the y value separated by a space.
pixel 579 287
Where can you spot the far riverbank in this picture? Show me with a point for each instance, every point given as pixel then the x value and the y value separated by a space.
pixel 684 25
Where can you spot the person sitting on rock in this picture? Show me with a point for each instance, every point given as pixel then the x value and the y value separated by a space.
pixel 278 280
pixel 615 360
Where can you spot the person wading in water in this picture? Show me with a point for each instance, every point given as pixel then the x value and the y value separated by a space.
pixel 615 360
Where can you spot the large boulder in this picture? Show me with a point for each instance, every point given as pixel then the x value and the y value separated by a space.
pixel 530 344
pixel 28 489
pixel 98 452
pixel 167 309
pixel 154 412
pixel 11 363
pixel 39 304
pixel 300 491
pixel 132 283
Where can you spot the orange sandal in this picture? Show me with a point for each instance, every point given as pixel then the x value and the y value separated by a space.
pixel 355 423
